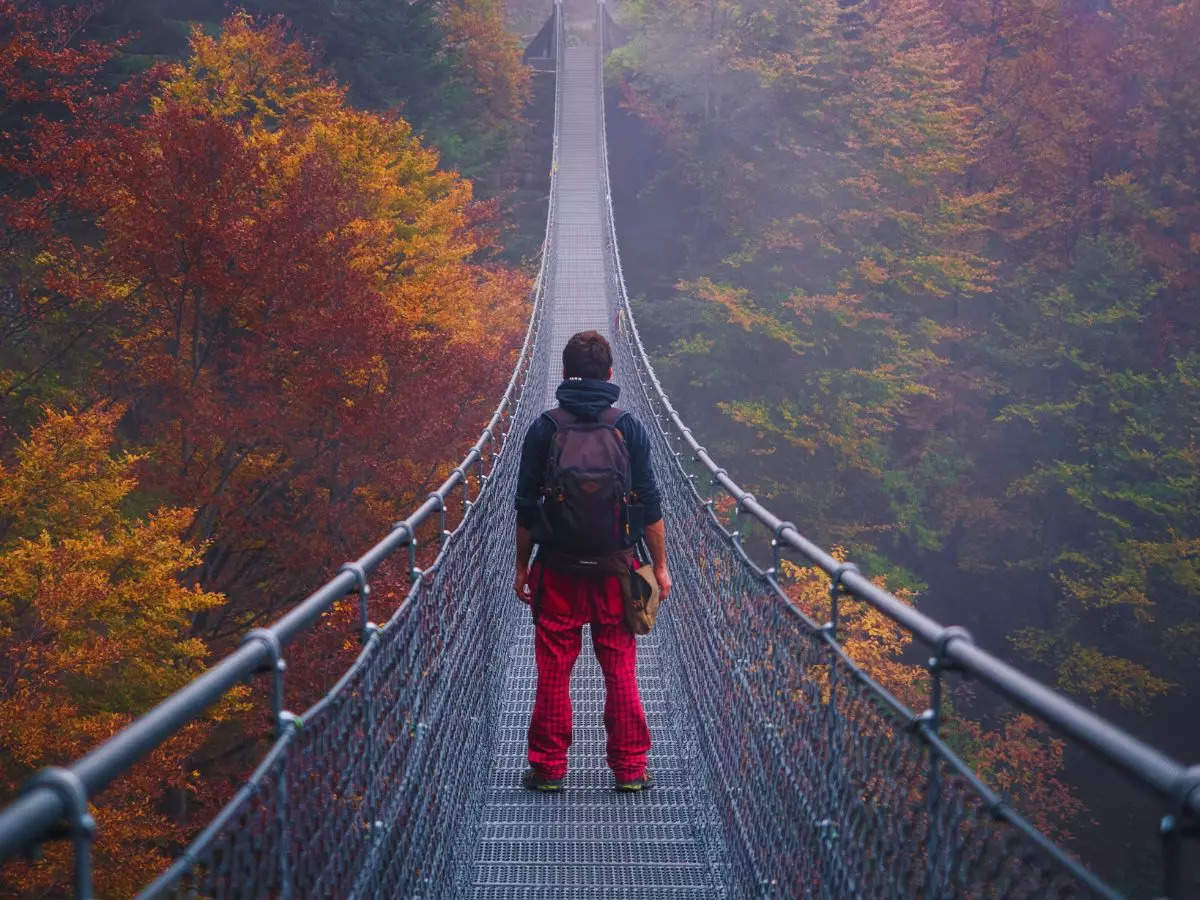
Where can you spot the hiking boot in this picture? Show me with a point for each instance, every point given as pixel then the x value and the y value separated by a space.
pixel 533 780
pixel 633 785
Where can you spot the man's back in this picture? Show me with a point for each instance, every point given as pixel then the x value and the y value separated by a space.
pixel 585 400
pixel 585 466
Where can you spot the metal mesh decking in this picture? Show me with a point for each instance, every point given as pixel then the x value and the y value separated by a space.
pixel 588 841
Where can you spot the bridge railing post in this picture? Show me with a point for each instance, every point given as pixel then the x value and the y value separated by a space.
pixel 285 724
pixel 443 534
pixel 832 865
pixel 928 724
pixel 369 635
pixel 413 572
pixel 79 824
pixel 1174 828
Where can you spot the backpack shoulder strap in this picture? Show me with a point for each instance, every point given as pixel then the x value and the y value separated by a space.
pixel 560 417
pixel 610 416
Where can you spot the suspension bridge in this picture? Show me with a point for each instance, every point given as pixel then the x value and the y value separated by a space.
pixel 781 768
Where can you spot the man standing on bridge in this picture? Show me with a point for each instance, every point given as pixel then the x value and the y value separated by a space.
pixel 586 531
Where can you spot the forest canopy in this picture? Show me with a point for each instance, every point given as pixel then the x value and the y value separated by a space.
pixel 236 304
pixel 960 242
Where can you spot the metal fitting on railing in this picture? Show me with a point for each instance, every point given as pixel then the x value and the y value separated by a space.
pixel 466 494
pixel 78 822
pixel 836 590
pixel 275 665
pixel 364 596
pixel 735 521
pixel 951 633
pixel 413 572
pixel 1180 823
pixel 777 547
pixel 443 534
pixel 939 663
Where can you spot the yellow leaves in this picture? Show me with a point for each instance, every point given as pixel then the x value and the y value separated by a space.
pixel 1123 580
pixel 94 620
pixel 1089 673
pixel 742 311
pixel 95 616
pixel 94 624
pixel 373 376
pixel 490 54
pixel 870 638
pixel 871 271
pixel 406 225
pixel 64 479
pixel 251 75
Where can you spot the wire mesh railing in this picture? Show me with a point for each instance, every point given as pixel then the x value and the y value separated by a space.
pixel 816 781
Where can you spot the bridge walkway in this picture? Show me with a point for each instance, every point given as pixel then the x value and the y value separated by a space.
pixel 588 841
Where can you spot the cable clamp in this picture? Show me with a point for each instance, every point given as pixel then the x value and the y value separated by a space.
pixel 927 717
pixel 71 791
pixel 1186 819
pixel 954 633
pixel 777 537
pixel 360 577
pixel 270 640
pixel 836 588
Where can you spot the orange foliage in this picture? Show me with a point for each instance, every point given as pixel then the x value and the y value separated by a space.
pixel 491 56
pixel 93 630
pixel 1021 760
pixel 869 637
pixel 297 284
pixel 299 317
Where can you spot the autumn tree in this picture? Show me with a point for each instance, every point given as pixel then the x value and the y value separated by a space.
pixel 1022 758
pixel 955 237
pixel 289 309
pixel 53 106
pixel 957 241
pixel 292 277
pixel 95 616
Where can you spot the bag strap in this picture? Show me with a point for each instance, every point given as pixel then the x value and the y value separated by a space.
pixel 611 416
pixel 562 418
pixel 618 563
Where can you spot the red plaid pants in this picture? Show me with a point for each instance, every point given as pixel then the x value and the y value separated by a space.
pixel 566 603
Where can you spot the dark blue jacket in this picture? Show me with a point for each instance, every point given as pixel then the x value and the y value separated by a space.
pixel 586 398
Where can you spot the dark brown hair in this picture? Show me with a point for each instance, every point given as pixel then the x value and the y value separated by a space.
pixel 587 355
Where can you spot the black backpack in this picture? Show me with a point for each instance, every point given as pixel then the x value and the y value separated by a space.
pixel 587 484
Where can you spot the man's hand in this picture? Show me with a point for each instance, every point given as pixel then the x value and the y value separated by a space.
pixel 524 551
pixel 656 540
pixel 663 577
pixel 521 585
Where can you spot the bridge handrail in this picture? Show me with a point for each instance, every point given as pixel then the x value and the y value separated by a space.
pixel 28 820
pixel 1175 782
